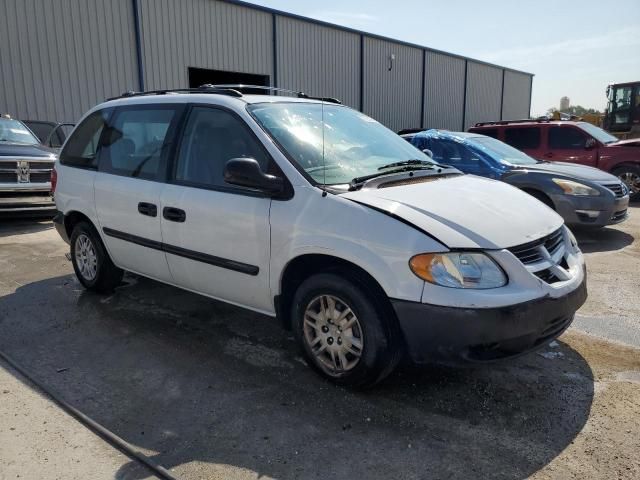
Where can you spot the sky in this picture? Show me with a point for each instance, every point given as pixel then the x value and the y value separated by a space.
pixel 574 48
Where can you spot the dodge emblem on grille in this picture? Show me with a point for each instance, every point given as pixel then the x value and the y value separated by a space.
pixel 23 171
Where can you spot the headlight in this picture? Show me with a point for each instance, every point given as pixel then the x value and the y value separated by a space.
pixel 458 270
pixel 570 187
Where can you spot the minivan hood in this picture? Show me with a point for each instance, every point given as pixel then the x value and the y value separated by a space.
pixel 465 211
pixel 580 172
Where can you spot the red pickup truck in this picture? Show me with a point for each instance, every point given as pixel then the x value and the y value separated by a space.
pixel 569 141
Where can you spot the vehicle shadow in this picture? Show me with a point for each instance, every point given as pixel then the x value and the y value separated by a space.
pixel 602 240
pixel 205 385
pixel 10 225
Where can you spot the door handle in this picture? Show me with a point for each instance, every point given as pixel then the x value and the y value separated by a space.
pixel 148 209
pixel 174 214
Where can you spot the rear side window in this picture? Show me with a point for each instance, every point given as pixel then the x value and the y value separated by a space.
pixel 212 137
pixel 566 138
pixel 522 138
pixel 82 148
pixel 135 143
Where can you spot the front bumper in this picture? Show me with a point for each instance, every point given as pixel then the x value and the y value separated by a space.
pixel 32 202
pixel 483 334
pixel 591 211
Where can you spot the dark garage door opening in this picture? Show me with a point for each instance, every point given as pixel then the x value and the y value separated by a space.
pixel 200 76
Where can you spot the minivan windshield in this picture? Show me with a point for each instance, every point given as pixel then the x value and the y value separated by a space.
pixel 597 133
pixel 501 151
pixel 332 143
pixel 14 131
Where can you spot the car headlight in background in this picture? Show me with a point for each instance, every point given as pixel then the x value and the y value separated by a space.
pixel 570 187
pixel 458 270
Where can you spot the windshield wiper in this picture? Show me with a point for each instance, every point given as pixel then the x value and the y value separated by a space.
pixel 358 181
pixel 405 163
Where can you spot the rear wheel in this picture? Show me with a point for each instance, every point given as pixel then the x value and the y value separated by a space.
pixel 630 175
pixel 90 260
pixel 345 334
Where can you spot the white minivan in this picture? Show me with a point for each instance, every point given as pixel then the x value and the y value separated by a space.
pixel 308 210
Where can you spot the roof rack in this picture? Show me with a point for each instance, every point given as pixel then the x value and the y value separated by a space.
pixel 232 90
pixel 240 86
pixel 507 122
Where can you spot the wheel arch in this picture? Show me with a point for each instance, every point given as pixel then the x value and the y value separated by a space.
pixel 303 266
pixel 74 217
pixel 540 195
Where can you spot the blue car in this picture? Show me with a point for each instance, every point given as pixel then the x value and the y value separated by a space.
pixel 583 196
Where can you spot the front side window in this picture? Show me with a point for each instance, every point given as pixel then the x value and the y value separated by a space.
pixel 566 138
pixel 523 138
pixel 211 138
pixel 14 131
pixel 331 143
pixel 136 140
pixel 82 148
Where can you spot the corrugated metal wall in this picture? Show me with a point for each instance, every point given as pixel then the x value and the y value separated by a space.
pixel 177 34
pixel 393 96
pixel 318 60
pixel 443 91
pixel 516 96
pixel 58 59
pixel 484 93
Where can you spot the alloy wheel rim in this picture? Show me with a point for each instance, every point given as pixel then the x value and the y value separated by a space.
pixel 86 258
pixel 631 180
pixel 333 333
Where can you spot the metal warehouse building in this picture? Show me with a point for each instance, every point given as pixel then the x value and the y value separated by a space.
pixel 61 57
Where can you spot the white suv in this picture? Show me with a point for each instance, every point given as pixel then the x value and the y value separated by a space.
pixel 311 211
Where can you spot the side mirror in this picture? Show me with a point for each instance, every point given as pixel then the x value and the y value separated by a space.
pixel 590 143
pixel 246 172
pixel 428 152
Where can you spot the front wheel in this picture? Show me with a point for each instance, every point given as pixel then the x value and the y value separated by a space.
pixel 91 262
pixel 630 176
pixel 345 334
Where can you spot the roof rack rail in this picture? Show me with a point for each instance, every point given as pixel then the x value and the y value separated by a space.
pixel 232 90
pixel 201 89
pixel 240 86
pixel 507 122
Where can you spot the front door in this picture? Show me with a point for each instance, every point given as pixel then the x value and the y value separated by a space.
pixel 567 143
pixel 132 170
pixel 217 236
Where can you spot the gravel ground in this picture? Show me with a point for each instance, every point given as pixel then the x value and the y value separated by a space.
pixel 211 391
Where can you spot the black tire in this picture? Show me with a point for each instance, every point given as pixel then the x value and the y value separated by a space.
pixel 381 338
pixel 107 275
pixel 623 173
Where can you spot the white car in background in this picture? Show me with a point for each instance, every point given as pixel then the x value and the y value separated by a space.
pixel 311 211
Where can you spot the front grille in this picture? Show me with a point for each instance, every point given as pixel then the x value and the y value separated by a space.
pixel 39 171
pixel 616 188
pixel 40 177
pixel 528 253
